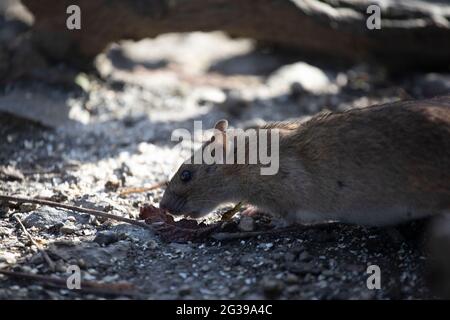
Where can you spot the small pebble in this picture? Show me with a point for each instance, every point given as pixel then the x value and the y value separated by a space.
pixel 246 224
pixel 291 278
pixel 184 290
pixel 106 237
pixel 68 229
pixel 8 257
pixel 272 288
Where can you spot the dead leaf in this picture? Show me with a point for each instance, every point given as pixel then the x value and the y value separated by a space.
pixel 176 231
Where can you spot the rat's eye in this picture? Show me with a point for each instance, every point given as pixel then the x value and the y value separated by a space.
pixel 185 175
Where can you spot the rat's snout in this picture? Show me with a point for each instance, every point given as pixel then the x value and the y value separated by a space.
pixel 172 203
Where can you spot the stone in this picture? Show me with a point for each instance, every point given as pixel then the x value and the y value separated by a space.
pixel 433 84
pixel 309 78
pixel 293 289
pixel 5 231
pixel 304 257
pixel 234 104
pixel 246 224
pixel 37 107
pixel 8 257
pixel 45 217
pixel 10 173
pixel 184 290
pixel 112 185
pixel 68 229
pixel 181 248
pixel 91 254
pixel 125 230
pixel 272 288
pixel 90 202
pixel 296 90
pixel 302 268
pixel 106 237
pixel 289 257
pixel 291 278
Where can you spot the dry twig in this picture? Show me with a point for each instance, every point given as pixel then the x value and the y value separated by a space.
pixel 224 236
pixel 93 212
pixel 143 189
pixel 46 257
pixel 123 288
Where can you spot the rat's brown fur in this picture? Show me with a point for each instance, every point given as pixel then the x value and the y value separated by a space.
pixel 379 165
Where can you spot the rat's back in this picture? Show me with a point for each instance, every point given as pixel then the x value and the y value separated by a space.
pixel 378 165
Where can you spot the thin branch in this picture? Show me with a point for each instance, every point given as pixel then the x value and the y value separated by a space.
pixel 93 212
pixel 143 189
pixel 46 257
pixel 230 213
pixel 224 236
pixel 123 288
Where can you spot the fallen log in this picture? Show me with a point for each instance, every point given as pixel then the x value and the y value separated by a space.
pixel 413 34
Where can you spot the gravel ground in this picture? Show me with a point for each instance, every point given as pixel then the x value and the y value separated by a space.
pixel 115 133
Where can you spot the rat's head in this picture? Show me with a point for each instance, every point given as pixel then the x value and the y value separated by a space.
pixel 197 189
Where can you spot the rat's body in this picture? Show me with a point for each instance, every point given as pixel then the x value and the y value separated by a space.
pixel 373 166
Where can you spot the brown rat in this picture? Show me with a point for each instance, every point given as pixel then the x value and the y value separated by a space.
pixel 379 165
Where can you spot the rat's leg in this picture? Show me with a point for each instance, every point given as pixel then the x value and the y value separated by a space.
pixel 276 221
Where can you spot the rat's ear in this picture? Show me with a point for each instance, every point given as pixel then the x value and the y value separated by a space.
pixel 220 134
pixel 221 125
